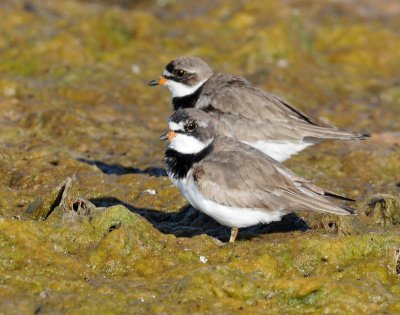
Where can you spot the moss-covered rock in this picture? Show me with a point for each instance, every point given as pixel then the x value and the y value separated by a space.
pixel 90 224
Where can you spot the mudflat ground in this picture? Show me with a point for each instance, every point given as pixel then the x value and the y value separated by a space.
pixel 90 224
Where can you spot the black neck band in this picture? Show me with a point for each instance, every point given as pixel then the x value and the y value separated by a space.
pixel 179 164
pixel 188 101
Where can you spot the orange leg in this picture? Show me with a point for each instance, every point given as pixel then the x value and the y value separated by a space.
pixel 234 233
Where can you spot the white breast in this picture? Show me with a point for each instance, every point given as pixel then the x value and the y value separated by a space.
pixel 280 151
pixel 225 215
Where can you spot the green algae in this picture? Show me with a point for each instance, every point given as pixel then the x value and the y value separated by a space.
pixel 300 270
pixel 74 104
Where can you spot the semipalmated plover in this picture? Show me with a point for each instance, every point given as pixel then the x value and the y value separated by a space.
pixel 244 112
pixel 232 182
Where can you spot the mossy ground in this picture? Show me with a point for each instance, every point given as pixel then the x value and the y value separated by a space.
pixel 89 224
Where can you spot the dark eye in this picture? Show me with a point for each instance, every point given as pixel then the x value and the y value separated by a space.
pixel 192 126
pixel 179 72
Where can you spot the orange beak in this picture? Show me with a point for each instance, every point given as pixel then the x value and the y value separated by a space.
pixel 161 81
pixel 171 135
pixel 168 135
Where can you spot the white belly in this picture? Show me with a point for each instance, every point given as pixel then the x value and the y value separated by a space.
pixel 225 215
pixel 280 151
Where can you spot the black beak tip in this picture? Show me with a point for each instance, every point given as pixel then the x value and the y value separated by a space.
pixel 153 83
pixel 164 137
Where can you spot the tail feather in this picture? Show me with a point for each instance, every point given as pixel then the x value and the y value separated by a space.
pixel 319 132
pixel 349 209
pixel 322 192
pixel 336 196
pixel 317 203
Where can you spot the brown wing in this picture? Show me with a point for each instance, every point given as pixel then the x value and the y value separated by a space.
pixel 240 176
pixel 237 96
pixel 248 113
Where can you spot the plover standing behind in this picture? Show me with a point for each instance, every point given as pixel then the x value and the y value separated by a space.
pixel 232 182
pixel 244 112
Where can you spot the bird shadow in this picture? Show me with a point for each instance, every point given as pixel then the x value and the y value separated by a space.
pixel 122 170
pixel 188 222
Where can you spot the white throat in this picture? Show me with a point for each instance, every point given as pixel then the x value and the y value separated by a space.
pixel 187 144
pixel 179 89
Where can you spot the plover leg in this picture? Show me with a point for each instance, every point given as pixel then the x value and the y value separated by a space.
pixel 234 233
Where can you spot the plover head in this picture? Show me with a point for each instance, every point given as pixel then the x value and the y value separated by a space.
pixel 184 75
pixel 191 131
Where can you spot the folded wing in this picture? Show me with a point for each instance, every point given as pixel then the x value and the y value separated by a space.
pixel 244 177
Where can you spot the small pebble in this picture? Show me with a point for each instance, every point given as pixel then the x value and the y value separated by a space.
pixel 44 293
pixel 9 91
pixel 203 259
pixel 135 69
pixel 282 63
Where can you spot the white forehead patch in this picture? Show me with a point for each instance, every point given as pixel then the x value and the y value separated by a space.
pixel 167 73
pixel 174 126
pixel 188 144
pixel 181 126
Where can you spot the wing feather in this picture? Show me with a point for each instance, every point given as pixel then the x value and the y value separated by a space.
pixel 240 176
pixel 248 113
